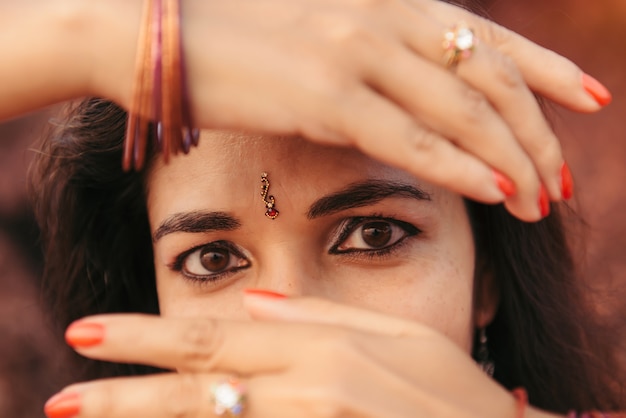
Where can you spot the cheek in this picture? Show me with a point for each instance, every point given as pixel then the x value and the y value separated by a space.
pixel 180 299
pixel 437 292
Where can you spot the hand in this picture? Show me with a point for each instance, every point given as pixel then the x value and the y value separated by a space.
pixel 391 367
pixel 369 74
pixel 358 73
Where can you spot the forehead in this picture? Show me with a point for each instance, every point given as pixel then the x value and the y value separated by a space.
pixel 227 166
pixel 225 150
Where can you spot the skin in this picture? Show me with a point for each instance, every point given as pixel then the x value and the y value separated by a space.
pixel 339 344
pixel 349 73
pixel 428 277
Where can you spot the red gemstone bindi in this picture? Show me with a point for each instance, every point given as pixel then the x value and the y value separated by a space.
pixel 271 213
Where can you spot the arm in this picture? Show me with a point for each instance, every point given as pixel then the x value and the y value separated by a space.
pixel 314 69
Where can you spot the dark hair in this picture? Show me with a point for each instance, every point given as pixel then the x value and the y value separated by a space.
pixel 98 253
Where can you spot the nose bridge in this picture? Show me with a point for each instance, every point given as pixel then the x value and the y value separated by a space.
pixel 287 267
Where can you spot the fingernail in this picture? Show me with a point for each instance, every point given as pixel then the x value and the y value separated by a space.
pixel 504 184
pixel 567 183
pixel 63 405
pixel 544 202
pixel 601 94
pixel 84 334
pixel 264 293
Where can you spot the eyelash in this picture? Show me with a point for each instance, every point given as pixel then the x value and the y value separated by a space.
pixel 348 227
pixel 179 262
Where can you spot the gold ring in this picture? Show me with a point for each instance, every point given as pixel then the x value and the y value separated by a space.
pixel 458 44
pixel 229 397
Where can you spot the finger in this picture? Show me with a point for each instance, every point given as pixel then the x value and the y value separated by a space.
pixel 448 105
pixel 498 78
pixel 198 345
pixel 545 71
pixel 389 134
pixel 155 396
pixel 323 311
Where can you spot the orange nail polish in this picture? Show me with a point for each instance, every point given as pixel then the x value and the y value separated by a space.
pixel 567 183
pixel 63 405
pixel 504 184
pixel 600 93
pixel 84 334
pixel 265 293
pixel 544 202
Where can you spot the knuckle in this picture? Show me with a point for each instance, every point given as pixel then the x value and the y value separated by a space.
pixel 103 401
pixel 374 5
pixel 548 154
pixel 347 32
pixel 494 34
pixel 422 139
pixel 475 107
pixel 526 174
pixel 330 405
pixel 506 72
pixel 182 396
pixel 332 397
pixel 201 343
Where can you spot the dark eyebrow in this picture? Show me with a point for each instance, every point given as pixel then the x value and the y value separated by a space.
pixel 363 194
pixel 195 222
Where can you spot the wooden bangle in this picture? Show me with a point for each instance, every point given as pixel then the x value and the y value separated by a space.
pixel 136 119
pixel 160 87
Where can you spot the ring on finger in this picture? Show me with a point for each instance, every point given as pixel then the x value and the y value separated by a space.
pixel 229 397
pixel 458 43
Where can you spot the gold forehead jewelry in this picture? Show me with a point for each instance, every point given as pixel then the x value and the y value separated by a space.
pixel 270 211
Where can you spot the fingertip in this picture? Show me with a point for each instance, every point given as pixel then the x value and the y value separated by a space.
pixel 264 293
pixel 84 334
pixel 596 90
pixel 264 304
pixel 504 184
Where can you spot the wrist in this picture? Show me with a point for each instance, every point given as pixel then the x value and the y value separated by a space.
pixel 39 45
pixel 111 29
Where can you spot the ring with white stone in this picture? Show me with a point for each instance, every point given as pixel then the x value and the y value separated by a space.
pixel 458 44
pixel 229 397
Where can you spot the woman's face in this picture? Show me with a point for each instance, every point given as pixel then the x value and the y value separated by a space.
pixel 349 229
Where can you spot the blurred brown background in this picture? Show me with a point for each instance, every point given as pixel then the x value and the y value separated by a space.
pixel 590 32
pixel 593 35
pixel 31 358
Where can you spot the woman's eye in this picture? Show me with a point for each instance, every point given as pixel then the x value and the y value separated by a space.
pixel 373 234
pixel 211 260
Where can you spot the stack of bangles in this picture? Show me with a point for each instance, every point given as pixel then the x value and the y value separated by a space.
pixel 160 102
pixel 521 397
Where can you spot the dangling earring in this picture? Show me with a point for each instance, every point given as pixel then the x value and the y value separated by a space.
pixel 482 354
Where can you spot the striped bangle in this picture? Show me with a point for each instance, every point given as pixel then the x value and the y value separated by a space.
pixel 160 89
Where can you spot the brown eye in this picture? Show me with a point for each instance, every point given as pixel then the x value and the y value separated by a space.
pixel 214 259
pixel 211 260
pixel 372 234
pixel 376 234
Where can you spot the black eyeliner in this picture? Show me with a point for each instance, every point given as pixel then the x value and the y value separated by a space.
pixel 349 226
pixel 179 261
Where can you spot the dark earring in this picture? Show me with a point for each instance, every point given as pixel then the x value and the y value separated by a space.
pixel 482 354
